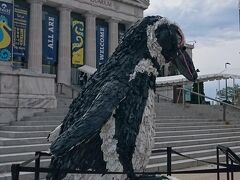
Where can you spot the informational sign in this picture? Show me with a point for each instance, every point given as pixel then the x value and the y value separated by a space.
pixel 6 20
pixel 50 38
pixel 20 33
pixel 77 42
pixel 101 43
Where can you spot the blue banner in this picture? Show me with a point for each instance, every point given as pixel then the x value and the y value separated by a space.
pixel 21 24
pixel 50 38
pixel 101 43
pixel 6 20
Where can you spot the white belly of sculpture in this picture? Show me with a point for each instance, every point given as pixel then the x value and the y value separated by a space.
pixel 144 145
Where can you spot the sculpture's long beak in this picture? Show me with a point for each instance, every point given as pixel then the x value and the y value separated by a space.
pixel 184 64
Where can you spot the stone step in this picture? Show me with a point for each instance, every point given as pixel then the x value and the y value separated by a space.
pixel 23 148
pixel 6 167
pixel 199 147
pixel 185 128
pixel 195 142
pixel 161 158
pixel 23 176
pixel 177 137
pixel 182 164
pixel 190 132
pixel 23 134
pixel 179 124
pixel 23 141
pixel 55 112
pixel 44 118
pixel 28 128
pixel 185 120
pixel 180 117
pixel 36 123
pixel 16 157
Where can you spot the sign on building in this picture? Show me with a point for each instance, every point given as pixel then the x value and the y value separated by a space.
pixel 50 38
pixel 101 43
pixel 77 41
pixel 20 32
pixel 6 21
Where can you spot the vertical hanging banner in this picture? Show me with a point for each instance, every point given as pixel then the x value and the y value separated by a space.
pixel 101 43
pixel 20 33
pixel 77 42
pixel 50 38
pixel 6 20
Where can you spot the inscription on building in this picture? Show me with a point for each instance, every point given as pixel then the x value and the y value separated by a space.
pixel 107 3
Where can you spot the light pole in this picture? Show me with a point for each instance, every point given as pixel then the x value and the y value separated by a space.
pixel 227 63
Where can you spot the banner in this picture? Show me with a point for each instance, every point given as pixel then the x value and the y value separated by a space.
pixel 20 33
pixel 50 38
pixel 6 20
pixel 77 42
pixel 102 43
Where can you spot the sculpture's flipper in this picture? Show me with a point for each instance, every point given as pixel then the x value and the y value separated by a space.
pixel 92 121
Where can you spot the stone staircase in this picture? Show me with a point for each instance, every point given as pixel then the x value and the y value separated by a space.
pixel 195 131
pixel 20 140
pixel 192 130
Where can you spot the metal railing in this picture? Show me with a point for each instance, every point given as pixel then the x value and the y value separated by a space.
pixel 224 104
pixel 228 168
pixel 74 91
pixel 231 158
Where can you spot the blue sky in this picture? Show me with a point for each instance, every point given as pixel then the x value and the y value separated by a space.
pixel 213 24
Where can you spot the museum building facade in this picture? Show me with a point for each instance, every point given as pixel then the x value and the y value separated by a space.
pixel 58 36
pixel 44 42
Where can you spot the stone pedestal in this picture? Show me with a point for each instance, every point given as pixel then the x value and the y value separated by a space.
pixel 23 93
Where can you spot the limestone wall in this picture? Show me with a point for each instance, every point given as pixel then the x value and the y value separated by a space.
pixel 23 93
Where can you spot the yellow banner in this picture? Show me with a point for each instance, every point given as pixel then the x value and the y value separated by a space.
pixel 77 42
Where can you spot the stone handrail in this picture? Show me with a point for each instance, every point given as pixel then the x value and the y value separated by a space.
pixel 73 89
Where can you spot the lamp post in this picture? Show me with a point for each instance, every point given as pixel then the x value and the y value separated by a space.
pixel 227 63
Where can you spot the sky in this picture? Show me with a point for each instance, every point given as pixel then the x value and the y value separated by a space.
pixel 211 25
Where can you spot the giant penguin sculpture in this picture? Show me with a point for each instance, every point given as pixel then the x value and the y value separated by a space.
pixel 109 126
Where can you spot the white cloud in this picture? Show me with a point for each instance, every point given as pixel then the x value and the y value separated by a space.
pixel 213 24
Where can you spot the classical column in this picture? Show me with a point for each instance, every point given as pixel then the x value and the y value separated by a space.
pixel 90 46
pixel 35 36
pixel 113 35
pixel 64 50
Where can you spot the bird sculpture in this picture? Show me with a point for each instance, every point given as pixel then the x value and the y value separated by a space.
pixel 109 126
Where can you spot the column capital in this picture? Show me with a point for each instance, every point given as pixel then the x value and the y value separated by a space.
pixel 65 8
pixel 91 14
pixel 113 19
pixel 36 1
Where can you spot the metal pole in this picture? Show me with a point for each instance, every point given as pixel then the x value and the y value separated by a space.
pixel 198 93
pixel 224 112
pixel 37 166
pixel 232 175
pixel 227 162
pixel 169 161
pixel 226 91
pixel 15 171
pixel 218 173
